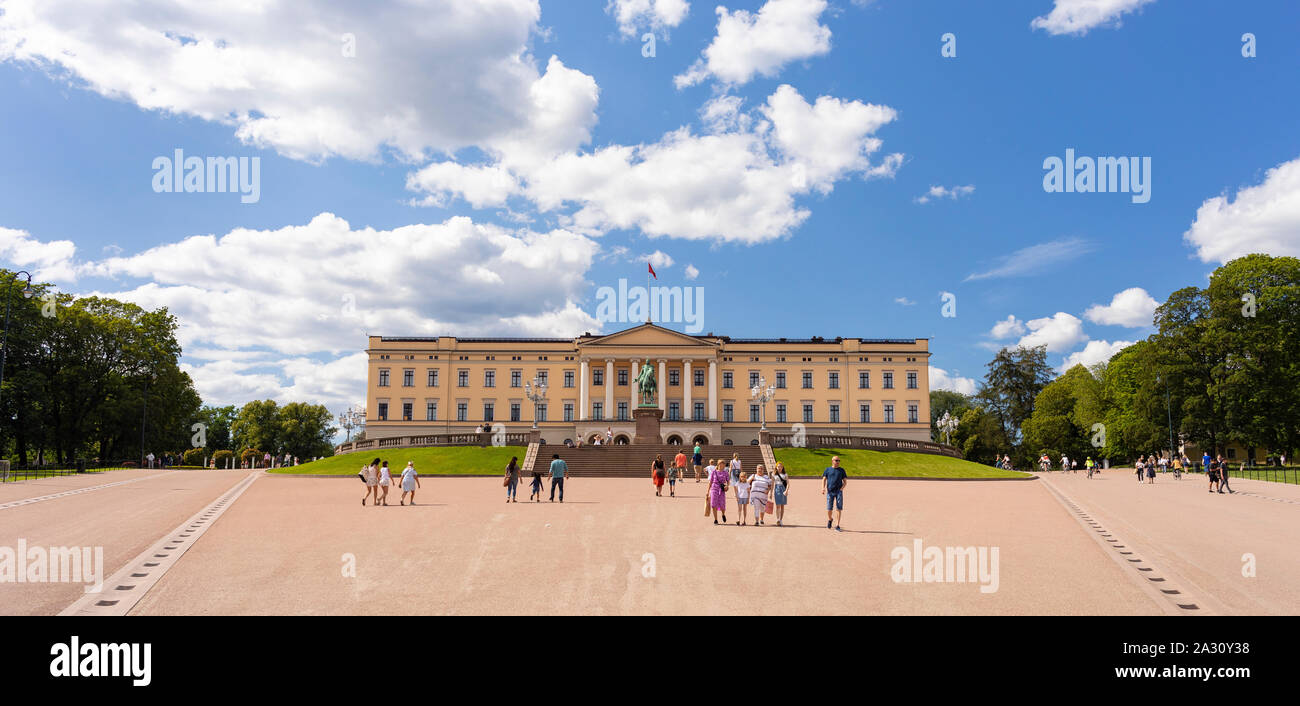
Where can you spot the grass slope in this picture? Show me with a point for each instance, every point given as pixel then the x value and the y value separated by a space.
pixel 860 462
pixel 439 460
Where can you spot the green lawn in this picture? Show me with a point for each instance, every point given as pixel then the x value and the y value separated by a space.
pixel 860 462
pixel 432 460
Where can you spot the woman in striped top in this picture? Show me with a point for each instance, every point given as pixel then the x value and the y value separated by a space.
pixel 758 486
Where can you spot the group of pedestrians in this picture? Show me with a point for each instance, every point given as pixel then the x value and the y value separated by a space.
pixel 378 478
pixel 1217 469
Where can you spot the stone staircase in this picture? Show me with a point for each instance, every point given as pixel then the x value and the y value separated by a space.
pixel 633 460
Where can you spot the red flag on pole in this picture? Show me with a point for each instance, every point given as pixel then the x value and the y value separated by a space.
pixel 652 270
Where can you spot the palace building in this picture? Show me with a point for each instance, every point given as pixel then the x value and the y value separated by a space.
pixel 852 386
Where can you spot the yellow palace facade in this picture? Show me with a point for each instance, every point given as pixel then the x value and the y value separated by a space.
pixel 448 385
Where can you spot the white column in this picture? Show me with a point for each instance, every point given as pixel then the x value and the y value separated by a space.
pixel 713 390
pixel 609 388
pixel 631 383
pixel 687 383
pixel 663 384
pixel 582 390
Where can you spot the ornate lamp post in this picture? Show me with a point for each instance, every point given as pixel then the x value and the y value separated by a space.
pixel 762 393
pixel 535 391
pixel 947 423
pixel 351 419
pixel 4 346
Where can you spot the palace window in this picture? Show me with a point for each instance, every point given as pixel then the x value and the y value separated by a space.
pixel 516 378
pixel 864 380
pixel 911 381
pixel 807 414
pixel 835 413
pixel 431 412
pixel 383 378
pixel 597 411
pixel 489 411
pixel 541 412
pixel 433 379
pixel 462 378
pixel 674 378
pixel 490 378
pixel 753 413
pixel 383 411
pixel 780 412
pixel 541 377
pixel 834 381
pixel 568 411
pixel 699 377
pixel 727 414
pixel 462 412
pixel 622 377
pixel 698 412
pixel 514 411
pixel 780 380
pixel 597 377
pixel 726 380
pixel 864 413
pixel 889 381
pixel 889 414
pixel 753 379
pixel 407 411
pixel 622 411
pixel 807 381
pixel 568 378
pixel 912 414
pixel 408 378
pixel 674 411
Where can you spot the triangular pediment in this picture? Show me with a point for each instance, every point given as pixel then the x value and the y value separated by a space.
pixel 649 335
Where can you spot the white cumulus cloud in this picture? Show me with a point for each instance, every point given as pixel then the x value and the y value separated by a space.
pixel 1132 307
pixel 1093 353
pixel 940 379
pixel 634 15
pixel 760 43
pixel 1008 327
pixel 1058 332
pixel 1079 16
pixel 941 192
pixel 1264 218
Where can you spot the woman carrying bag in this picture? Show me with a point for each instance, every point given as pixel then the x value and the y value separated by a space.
pixel 511 481
pixel 780 490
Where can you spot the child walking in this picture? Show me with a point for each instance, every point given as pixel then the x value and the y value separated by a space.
pixel 742 498
pixel 536 486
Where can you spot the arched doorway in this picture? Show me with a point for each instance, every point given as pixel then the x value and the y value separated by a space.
pixel 700 440
pixel 622 440
pixel 674 440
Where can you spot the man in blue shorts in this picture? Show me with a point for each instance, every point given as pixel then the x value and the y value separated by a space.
pixel 833 480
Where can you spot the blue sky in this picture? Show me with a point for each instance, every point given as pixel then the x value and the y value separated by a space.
pixel 485 169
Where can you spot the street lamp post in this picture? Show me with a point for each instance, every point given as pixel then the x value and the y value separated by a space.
pixel 4 345
pixel 762 393
pixel 1169 413
pixel 535 391
pixel 351 419
pixel 947 423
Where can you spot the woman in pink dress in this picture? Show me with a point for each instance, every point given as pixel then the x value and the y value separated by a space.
pixel 718 492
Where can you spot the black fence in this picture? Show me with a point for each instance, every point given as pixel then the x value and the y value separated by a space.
pixel 1276 475
pixel 9 473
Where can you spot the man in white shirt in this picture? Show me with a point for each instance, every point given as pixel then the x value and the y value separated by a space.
pixel 149 458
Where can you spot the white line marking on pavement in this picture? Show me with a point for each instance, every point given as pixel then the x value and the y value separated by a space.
pixel 78 491
pixel 125 588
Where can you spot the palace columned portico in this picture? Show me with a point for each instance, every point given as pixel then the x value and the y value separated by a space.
pixel 852 386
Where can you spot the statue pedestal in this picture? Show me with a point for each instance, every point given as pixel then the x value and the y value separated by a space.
pixel 647 425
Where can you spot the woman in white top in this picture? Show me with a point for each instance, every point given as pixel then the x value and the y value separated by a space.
pixel 781 489
pixel 410 481
pixel 733 473
pixel 385 480
pixel 370 474
pixel 758 486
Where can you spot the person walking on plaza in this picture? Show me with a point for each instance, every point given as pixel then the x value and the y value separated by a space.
pixel 679 462
pixel 536 495
pixel 512 480
pixel 698 461
pixel 1213 473
pixel 1205 462
pixel 559 471
pixel 780 491
pixel 733 473
pixel 1223 477
pixel 1140 467
pixel 371 476
pixel 1087 466
pixel 385 480
pixel 410 481
pixel 742 499
pixel 657 473
pixel 833 481
pixel 717 480
pixel 758 487
pixel 1151 472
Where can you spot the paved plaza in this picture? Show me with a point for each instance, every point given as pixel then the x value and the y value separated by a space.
pixel 1064 545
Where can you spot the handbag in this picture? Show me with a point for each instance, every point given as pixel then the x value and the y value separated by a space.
pixel 505 483
pixel 770 507
pixel 708 506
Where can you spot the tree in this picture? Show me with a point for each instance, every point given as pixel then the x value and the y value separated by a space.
pixel 1014 379
pixel 257 426
pixel 305 430
pixel 218 422
pixel 946 402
